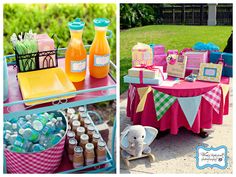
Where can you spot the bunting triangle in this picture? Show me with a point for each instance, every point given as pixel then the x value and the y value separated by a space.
pixel 214 98
pixel 143 92
pixel 162 102
pixel 131 95
pixel 225 90
pixel 190 106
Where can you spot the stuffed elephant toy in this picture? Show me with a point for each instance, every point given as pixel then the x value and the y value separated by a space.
pixel 135 140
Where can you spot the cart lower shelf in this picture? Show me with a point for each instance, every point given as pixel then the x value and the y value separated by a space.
pixel 66 166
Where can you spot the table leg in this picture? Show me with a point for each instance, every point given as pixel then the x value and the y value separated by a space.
pixel 203 133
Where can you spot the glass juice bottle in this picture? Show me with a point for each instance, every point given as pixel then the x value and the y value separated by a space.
pixel 99 54
pixel 75 62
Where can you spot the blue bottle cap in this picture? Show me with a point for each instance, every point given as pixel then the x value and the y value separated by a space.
pixel 77 24
pixel 101 22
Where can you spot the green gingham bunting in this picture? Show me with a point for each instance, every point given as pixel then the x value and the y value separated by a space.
pixel 162 102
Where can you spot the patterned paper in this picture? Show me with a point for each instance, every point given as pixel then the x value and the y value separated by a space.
pixel 214 98
pixel 162 103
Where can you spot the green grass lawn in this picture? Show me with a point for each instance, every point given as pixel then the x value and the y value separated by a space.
pixel 171 36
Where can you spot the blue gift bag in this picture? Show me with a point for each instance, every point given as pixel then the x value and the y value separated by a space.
pixel 226 59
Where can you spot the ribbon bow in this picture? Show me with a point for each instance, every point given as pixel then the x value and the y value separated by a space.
pixel 185 50
pixel 149 67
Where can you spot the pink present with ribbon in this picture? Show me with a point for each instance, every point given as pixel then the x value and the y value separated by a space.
pixel 160 60
pixel 148 72
pixel 159 50
pixel 151 68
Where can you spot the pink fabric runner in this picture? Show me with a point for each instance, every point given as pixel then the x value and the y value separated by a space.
pixel 174 118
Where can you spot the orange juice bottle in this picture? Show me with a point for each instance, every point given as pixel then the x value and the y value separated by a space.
pixel 99 54
pixel 75 62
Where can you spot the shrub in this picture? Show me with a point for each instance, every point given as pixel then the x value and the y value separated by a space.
pixel 53 19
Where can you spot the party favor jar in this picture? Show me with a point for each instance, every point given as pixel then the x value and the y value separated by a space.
pixel 75 63
pixel 99 55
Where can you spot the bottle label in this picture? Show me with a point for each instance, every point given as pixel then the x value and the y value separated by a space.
pixel 78 66
pixel 101 158
pixel 101 60
pixel 89 161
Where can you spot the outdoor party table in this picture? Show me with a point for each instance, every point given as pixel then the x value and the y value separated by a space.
pixel 195 105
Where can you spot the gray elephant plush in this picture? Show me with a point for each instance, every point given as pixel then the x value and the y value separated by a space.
pixel 135 140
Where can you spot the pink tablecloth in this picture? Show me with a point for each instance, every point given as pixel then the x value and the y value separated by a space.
pixel 174 118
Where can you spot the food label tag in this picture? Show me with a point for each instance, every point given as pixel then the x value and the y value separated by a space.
pixel 78 66
pixel 101 60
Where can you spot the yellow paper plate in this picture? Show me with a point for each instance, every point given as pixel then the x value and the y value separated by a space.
pixel 44 82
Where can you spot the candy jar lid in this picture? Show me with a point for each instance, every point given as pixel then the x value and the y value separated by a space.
pixel 84 137
pixel 89 146
pixel 72 141
pixel 76 123
pixel 77 24
pixel 90 128
pixel 78 149
pixel 101 143
pixel 70 134
pixel 101 22
pixel 96 136
pixel 80 129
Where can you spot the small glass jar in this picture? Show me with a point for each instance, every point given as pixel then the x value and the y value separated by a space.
pixel 84 139
pixel 70 112
pixel 75 125
pixel 90 131
pixel 79 131
pixel 101 151
pixel 69 135
pixel 82 117
pixel 78 157
pixel 71 147
pixel 81 109
pixel 87 122
pixel 96 138
pixel 89 154
pixel 73 118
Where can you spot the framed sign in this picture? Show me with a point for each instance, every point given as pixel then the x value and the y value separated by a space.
pixel 210 72
pixel 176 65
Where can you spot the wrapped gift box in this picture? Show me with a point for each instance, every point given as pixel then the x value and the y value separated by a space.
pixel 194 58
pixel 160 60
pixel 147 73
pixel 142 54
pixel 226 59
pixel 159 49
pixel 136 80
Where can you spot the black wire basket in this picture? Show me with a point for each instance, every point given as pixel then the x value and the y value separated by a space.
pixel 38 60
